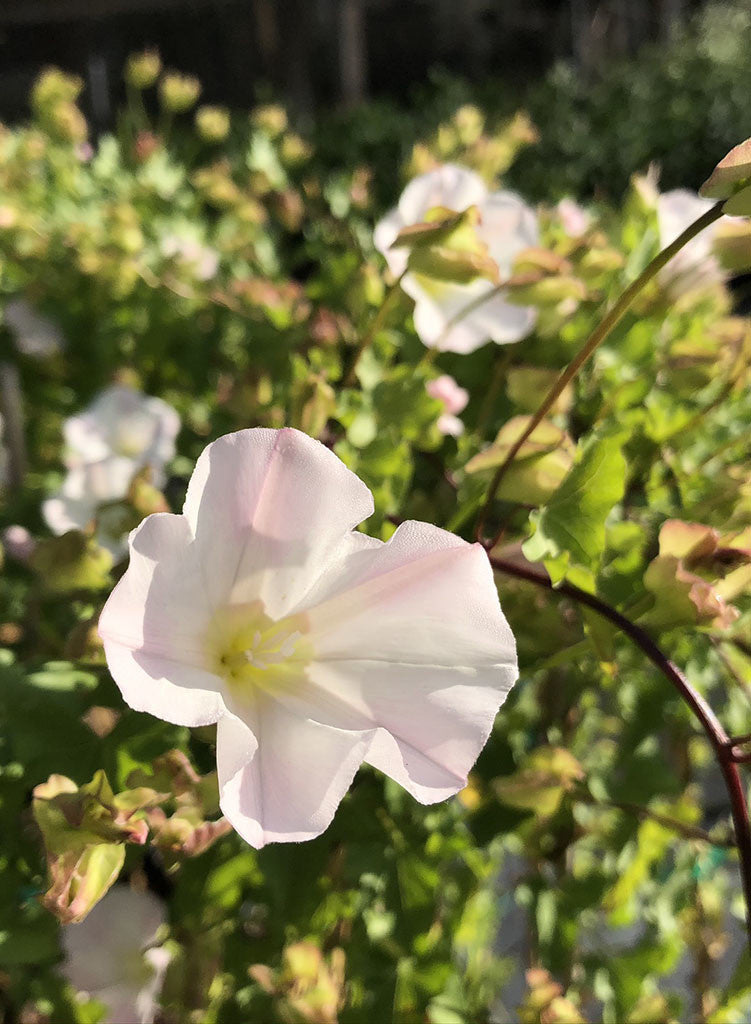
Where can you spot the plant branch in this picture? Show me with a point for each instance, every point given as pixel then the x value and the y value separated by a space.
pixel 11 410
pixel 683 828
pixel 721 743
pixel 596 338
pixel 375 325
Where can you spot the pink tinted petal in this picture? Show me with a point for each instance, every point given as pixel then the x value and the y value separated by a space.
pixel 508 226
pixel 451 186
pixel 574 218
pixel 426 597
pixel 153 624
pixel 269 510
pixel 290 789
pixel 411 639
pixel 446 390
pixel 450 426
pixel 433 720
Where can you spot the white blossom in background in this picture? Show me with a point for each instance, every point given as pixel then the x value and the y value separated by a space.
pixel 35 335
pixel 312 646
pixel 574 218
pixel 462 317
pixel 121 433
pixel 454 400
pixel 696 264
pixel 18 543
pixel 201 260
pixel 108 956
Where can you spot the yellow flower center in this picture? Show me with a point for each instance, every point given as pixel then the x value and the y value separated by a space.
pixel 250 649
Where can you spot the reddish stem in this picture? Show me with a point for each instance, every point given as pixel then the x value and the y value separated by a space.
pixel 723 746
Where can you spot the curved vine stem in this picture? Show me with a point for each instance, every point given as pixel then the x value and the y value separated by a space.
pixel 724 747
pixel 596 338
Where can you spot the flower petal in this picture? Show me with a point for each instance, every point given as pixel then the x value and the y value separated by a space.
pixel 384 234
pixel 153 623
pixel 269 509
pixel 502 321
pixel 288 789
pixel 433 719
pixel 507 226
pixel 400 598
pixel 450 185
pixel 412 640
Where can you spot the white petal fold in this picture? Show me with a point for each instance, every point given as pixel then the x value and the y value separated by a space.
pixel 290 786
pixel 154 623
pixel 411 641
pixel 269 510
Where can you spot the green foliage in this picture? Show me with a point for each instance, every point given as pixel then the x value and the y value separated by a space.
pixel 226 269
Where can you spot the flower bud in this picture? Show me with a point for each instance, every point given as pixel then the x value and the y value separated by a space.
pixel 270 118
pixel 178 93
pixel 143 69
pixel 212 123
pixel 52 87
pixel 295 150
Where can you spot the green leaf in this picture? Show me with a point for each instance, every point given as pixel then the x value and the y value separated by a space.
pixel 542 782
pixel 571 527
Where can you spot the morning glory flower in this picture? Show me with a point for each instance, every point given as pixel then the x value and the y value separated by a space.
pixel 121 433
pixel 110 955
pixel 35 334
pixel 575 220
pixel 454 400
pixel 455 317
pixel 313 647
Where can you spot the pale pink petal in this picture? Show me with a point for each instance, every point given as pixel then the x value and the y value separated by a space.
pixel 426 597
pixel 450 426
pixel 411 640
pixel 433 719
pixel 269 510
pixel 451 186
pixel 446 390
pixel 100 957
pixel 290 788
pixel 507 226
pixel 154 623
pixel 574 218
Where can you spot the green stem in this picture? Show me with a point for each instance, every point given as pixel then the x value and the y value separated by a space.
pixel 725 749
pixel 375 325
pixel 611 319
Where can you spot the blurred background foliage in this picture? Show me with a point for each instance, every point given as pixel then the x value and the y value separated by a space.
pixel 224 261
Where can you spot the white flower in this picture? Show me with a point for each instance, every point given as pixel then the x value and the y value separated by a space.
pixel 462 317
pixel 695 265
pixel 18 543
pixel 200 259
pixel 36 335
pixel 313 646
pixel 454 400
pixel 121 433
pixel 574 218
pixel 107 958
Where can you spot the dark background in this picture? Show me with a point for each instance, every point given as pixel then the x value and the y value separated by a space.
pixel 314 54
